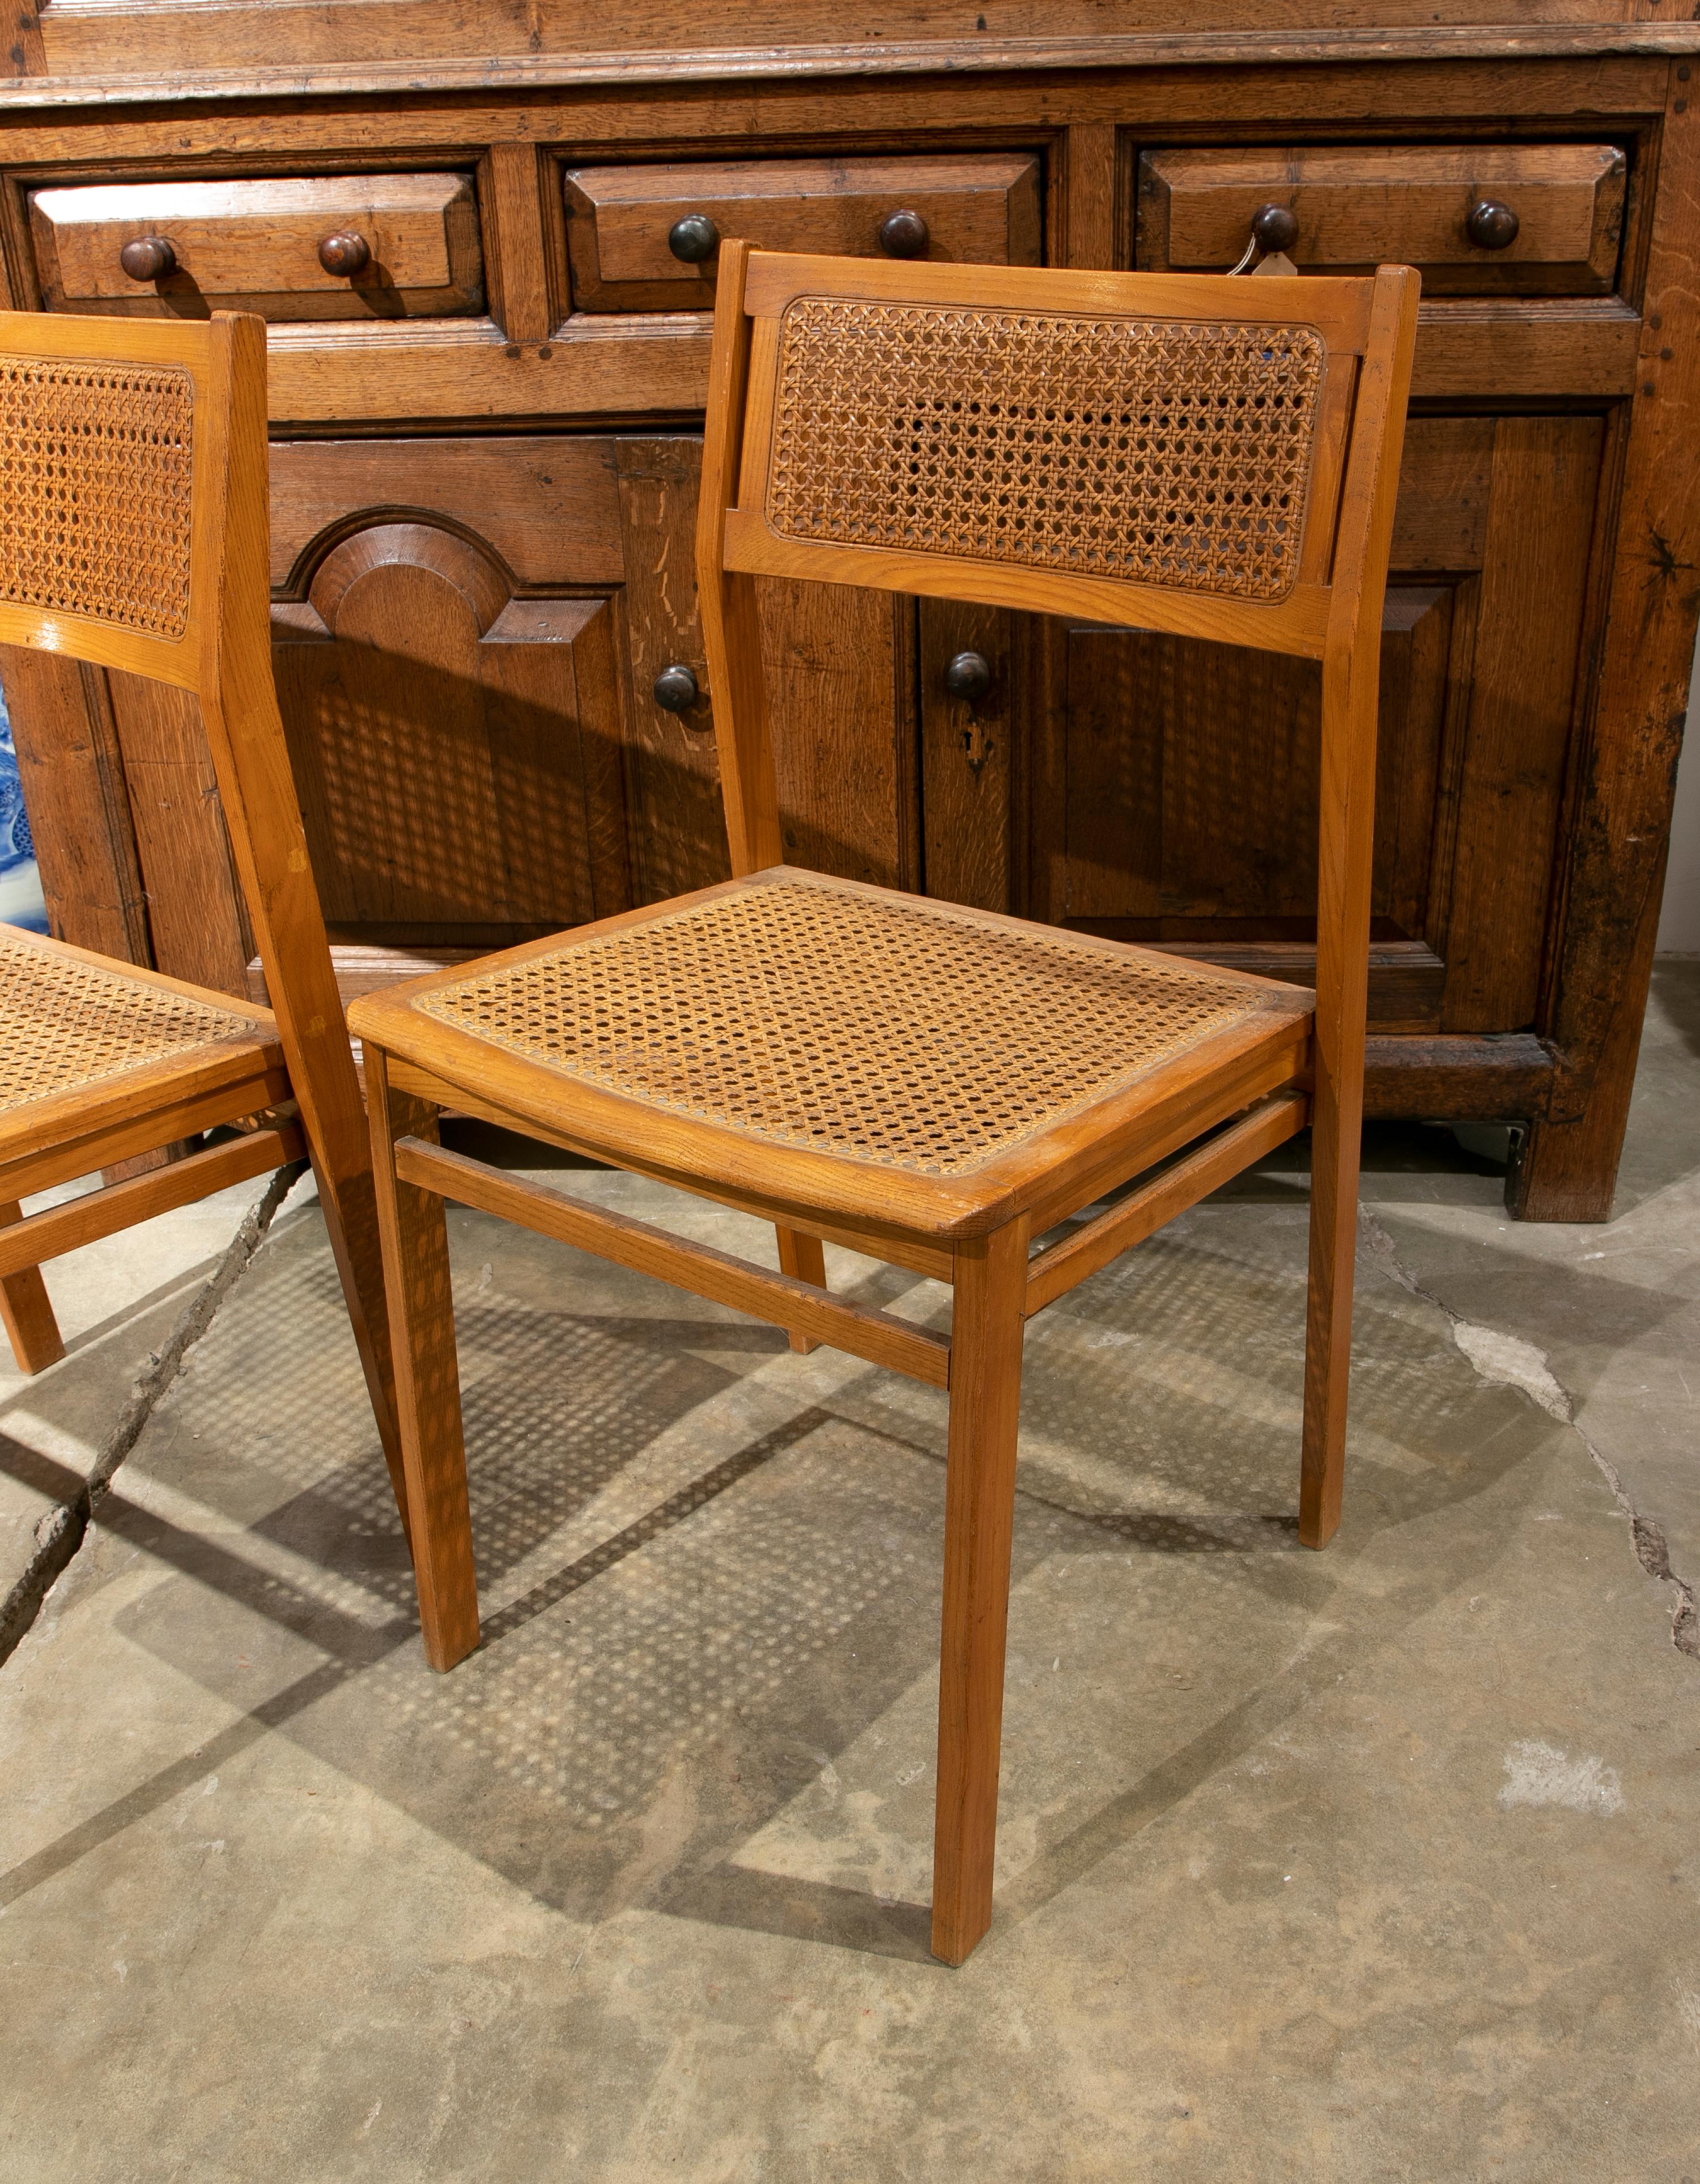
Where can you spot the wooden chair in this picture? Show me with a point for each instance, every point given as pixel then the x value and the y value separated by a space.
pixel 932 1085
pixel 133 535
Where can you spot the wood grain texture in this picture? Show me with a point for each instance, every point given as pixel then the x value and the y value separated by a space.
pixel 254 246
pixel 26 1313
pixel 548 505
pixel 896 1247
pixel 980 208
pixel 666 39
pixel 797 1304
pixel 427 1379
pixel 60 1228
pixel 458 749
pixel 1505 1078
pixel 1190 778
pixel 968 757
pixel 1624 777
pixel 991 1283
pixel 678 833
pixel 518 248
pixel 1360 206
pixel 214 645
pixel 198 921
pixel 803 1257
pixel 161 1116
pixel 1131 1220
pixel 1350 673
pixel 1541 528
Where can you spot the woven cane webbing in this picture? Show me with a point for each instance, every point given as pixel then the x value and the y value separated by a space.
pixel 884 1028
pixel 65 1024
pixel 96 461
pixel 1159 452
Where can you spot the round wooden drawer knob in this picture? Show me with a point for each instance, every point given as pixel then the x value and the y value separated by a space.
pixel 345 254
pixel 1275 226
pixel 675 690
pixel 1492 226
pixel 969 677
pixel 149 258
pixel 904 235
pixel 694 238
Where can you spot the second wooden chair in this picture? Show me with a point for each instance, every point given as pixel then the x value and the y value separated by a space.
pixel 935 1086
pixel 133 536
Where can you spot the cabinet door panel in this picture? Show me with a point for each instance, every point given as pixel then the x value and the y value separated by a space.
pixel 1535 566
pixel 839 667
pixel 1191 798
pixel 457 750
pixel 673 774
pixel 969 771
pixel 1175 780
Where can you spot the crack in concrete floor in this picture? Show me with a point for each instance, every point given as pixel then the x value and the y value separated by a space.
pixel 1507 1359
pixel 60 1534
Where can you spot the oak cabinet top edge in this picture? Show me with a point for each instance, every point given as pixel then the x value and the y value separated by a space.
pixel 153 79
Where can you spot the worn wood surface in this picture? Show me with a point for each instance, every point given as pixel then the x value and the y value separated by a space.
pixel 1360 205
pixel 665 37
pixel 1623 777
pixel 980 208
pixel 254 246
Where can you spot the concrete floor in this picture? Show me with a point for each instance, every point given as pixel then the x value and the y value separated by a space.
pixel 1376 1864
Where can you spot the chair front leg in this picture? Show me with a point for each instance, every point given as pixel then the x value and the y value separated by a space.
pixel 991 1278
pixel 25 1312
pixel 421 1311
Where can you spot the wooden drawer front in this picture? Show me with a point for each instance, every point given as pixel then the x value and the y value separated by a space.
pixel 1407 204
pixel 255 246
pixel 981 209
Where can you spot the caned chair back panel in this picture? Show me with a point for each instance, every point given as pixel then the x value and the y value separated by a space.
pixel 108 446
pixel 1133 447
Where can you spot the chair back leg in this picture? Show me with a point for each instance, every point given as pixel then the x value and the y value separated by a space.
pixel 979 1520
pixel 804 1259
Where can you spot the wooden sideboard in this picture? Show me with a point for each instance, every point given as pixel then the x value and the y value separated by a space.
pixel 488 283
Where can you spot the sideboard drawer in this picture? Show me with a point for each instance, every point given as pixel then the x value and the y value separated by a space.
pixel 337 246
pixel 1475 219
pixel 645 238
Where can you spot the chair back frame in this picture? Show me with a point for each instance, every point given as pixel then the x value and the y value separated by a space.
pixel 213 372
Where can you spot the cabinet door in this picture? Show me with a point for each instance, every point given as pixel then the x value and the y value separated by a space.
pixel 1174 781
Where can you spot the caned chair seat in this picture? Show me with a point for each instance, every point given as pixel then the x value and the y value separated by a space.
pixel 77 1031
pixel 851 1037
